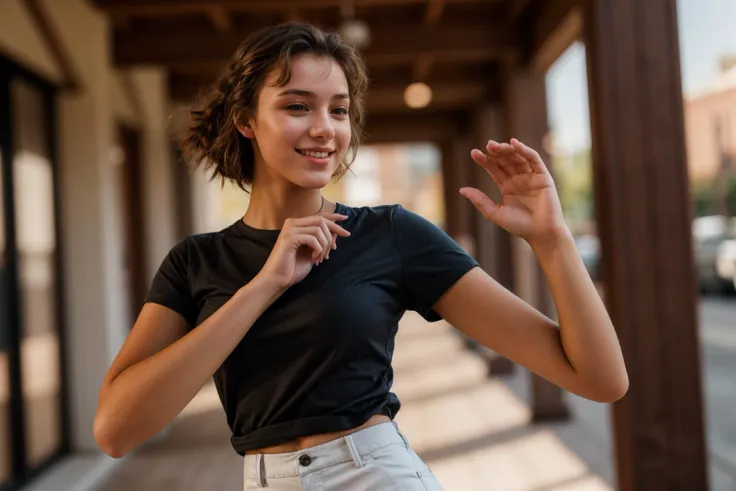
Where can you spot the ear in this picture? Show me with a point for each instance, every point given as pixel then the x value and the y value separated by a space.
pixel 243 127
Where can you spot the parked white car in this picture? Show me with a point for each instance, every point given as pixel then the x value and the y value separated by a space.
pixel 714 243
pixel 726 261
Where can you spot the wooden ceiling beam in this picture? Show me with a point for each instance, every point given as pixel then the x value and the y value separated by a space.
pixel 185 86
pixel 555 27
pixel 487 73
pixel 385 98
pixel 432 16
pixel 516 8
pixel 172 46
pixel 453 96
pixel 71 80
pixel 293 14
pixel 419 126
pixel 165 8
pixel 220 18
pixel 422 67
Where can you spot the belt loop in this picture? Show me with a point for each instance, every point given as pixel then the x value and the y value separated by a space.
pixel 405 440
pixel 353 451
pixel 260 471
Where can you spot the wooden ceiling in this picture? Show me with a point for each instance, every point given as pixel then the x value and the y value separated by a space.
pixel 457 46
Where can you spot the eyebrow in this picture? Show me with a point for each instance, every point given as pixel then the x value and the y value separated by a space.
pixel 307 93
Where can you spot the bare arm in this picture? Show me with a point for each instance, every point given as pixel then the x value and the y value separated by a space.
pixel 582 355
pixel 160 368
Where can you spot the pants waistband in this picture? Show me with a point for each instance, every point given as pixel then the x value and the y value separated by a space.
pixel 350 447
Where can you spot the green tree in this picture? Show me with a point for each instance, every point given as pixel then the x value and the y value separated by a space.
pixel 705 197
pixel 574 178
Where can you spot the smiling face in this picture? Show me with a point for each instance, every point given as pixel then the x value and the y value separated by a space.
pixel 301 130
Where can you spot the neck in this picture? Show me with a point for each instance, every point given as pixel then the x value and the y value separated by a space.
pixel 269 207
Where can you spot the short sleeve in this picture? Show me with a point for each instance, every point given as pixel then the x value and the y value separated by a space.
pixel 431 261
pixel 170 286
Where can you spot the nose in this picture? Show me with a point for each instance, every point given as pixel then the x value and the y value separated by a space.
pixel 322 127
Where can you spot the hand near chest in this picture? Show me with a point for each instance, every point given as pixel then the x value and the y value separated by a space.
pixel 302 244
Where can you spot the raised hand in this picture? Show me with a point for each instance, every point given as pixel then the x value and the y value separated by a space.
pixel 530 207
pixel 302 244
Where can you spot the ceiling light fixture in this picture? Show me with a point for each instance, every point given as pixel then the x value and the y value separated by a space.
pixel 352 30
pixel 356 32
pixel 418 95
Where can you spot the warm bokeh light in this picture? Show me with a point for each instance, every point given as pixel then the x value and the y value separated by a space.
pixel 418 95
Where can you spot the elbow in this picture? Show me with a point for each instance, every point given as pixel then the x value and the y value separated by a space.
pixel 106 439
pixel 613 391
pixel 616 394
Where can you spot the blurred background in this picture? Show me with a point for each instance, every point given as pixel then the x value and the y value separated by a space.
pixel 632 103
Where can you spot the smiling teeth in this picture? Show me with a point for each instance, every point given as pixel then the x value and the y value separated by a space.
pixel 319 155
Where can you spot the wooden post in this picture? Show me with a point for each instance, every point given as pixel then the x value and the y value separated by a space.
pixel 525 115
pixel 494 251
pixel 644 216
pixel 457 172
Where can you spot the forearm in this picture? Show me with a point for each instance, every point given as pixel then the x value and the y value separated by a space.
pixel 147 396
pixel 587 333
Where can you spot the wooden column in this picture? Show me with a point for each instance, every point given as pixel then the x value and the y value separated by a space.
pixel 494 251
pixel 525 115
pixel 644 216
pixel 457 169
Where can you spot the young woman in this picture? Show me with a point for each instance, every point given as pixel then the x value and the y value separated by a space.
pixel 293 309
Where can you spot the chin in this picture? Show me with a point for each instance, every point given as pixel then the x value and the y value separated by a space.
pixel 312 180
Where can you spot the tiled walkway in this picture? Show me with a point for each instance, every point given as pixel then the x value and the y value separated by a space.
pixel 471 430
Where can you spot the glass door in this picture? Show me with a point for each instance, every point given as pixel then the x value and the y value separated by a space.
pixel 32 395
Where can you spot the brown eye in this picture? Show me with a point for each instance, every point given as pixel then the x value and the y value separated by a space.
pixel 297 107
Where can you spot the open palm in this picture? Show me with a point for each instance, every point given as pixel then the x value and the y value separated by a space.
pixel 530 207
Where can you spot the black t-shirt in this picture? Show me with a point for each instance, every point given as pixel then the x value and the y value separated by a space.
pixel 318 360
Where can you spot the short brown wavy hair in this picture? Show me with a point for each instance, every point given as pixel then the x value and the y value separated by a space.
pixel 214 141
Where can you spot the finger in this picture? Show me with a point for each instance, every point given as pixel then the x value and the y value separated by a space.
pixel 531 155
pixel 504 155
pixel 328 236
pixel 335 217
pixel 521 164
pixel 316 219
pixel 316 232
pixel 498 174
pixel 329 228
pixel 511 157
pixel 337 229
pixel 324 240
pixel 308 240
pixel 485 205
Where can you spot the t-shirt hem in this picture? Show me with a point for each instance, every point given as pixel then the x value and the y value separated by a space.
pixel 277 434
